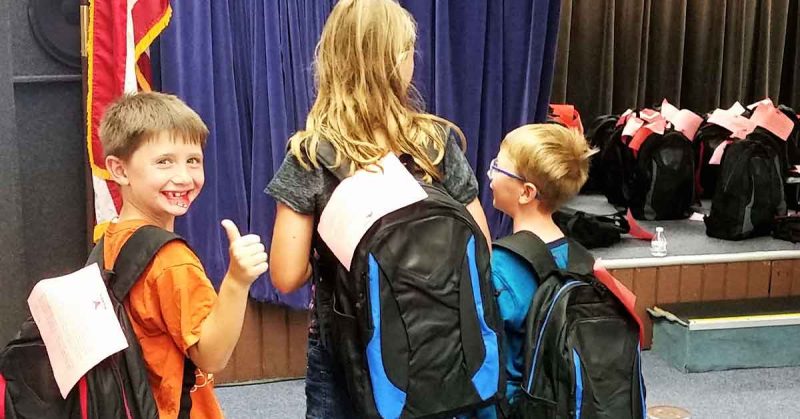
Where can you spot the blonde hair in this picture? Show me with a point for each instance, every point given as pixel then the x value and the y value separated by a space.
pixel 136 118
pixel 552 157
pixel 360 91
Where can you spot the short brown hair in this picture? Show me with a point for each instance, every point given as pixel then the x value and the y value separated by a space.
pixel 554 158
pixel 138 117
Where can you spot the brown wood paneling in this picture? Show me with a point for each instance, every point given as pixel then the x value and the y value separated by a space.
pixel 795 278
pixel 644 286
pixel 247 356
pixel 275 327
pixel 691 288
pixel 758 279
pixel 273 340
pixel 736 280
pixel 668 285
pixel 713 282
pixel 298 339
pixel 781 278
pixel 624 276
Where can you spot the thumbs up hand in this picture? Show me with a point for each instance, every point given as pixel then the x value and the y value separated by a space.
pixel 248 257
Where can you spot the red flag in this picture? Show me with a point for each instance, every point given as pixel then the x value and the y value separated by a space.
pixel 117 63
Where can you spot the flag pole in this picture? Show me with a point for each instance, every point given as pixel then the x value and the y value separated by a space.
pixel 90 217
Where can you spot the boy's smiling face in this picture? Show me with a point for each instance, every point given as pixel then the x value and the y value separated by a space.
pixel 163 177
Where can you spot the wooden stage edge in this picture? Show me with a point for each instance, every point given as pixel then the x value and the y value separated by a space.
pixel 273 340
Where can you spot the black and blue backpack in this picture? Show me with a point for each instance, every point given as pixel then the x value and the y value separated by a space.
pixel 414 324
pixel 582 351
pixel 115 388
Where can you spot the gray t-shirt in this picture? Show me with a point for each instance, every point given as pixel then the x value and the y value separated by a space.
pixel 308 191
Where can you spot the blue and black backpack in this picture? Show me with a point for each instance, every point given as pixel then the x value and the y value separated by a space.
pixel 414 323
pixel 582 351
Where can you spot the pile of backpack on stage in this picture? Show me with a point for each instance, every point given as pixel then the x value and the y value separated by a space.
pixel 660 162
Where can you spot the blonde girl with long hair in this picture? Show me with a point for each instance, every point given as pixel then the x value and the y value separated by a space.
pixel 365 107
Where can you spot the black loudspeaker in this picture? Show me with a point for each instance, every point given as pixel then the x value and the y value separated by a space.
pixel 56 25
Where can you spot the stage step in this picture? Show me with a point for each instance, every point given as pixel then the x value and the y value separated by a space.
pixel 728 334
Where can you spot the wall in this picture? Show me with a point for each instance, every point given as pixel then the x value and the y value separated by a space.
pixel 42 180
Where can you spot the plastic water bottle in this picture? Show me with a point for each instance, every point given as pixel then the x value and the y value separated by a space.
pixel 658 246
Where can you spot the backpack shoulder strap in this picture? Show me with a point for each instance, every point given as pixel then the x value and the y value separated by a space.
pixel 326 156
pixel 135 255
pixel 96 255
pixel 579 260
pixel 532 249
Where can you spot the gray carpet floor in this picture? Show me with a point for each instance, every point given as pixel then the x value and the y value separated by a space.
pixel 770 393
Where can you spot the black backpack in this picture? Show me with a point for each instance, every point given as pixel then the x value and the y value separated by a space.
pixel 582 353
pixel 617 162
pixel 793 142
pixel 414 324
pixel 591 230
pixel 787 228
pixel 663 181
pixel 708 138
pixel 749 193
pixel 598 135
pixel 115 388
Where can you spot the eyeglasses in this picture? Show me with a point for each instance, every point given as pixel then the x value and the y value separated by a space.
pixel 493 167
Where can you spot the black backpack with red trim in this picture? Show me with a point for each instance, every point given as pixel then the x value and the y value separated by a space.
pixel 115 388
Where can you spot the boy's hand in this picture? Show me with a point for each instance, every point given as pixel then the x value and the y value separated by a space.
pixel 247 254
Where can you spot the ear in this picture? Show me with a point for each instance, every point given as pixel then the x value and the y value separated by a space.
pixel 529 193
pixel 116 167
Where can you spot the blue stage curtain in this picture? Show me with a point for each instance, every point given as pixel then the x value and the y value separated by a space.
pixel 246 67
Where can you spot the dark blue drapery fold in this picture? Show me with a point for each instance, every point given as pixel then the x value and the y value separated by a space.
pixel 245 66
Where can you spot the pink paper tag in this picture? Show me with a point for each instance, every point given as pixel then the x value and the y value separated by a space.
pixel 766 101
pixel 668 110
pixel 657 126
pixel 649 115
pixel 686 122
pixel 624 117
pixel 716 158
pixel 632 126
pixel 737 108
pixel 738 125
pixel 773 120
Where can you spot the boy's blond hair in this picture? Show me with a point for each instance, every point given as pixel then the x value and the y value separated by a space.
pixel 136 118
pixel 554 158
pixel 360 90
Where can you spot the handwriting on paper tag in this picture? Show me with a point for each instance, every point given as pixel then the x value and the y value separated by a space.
pixel 362 199
pixel 738 125
pixel 77 322
pixel 773 120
